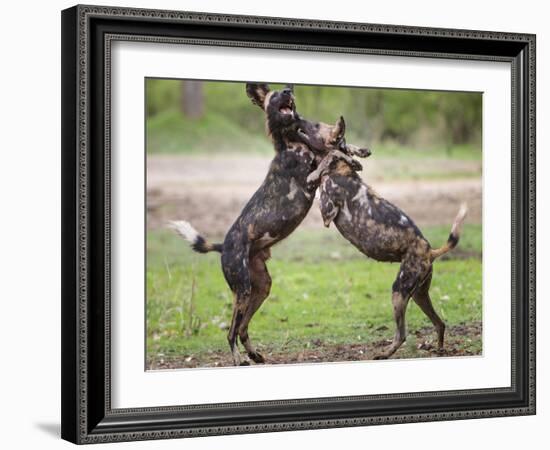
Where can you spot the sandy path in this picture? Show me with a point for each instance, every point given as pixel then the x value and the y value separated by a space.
pixel 211 192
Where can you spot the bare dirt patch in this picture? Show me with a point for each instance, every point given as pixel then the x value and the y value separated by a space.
pixel 211 192
pixel 420 344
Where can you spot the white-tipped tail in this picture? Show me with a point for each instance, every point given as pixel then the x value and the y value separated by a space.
pixel 454 237
pixel 459 220
pixel 185 230
pixel 198 243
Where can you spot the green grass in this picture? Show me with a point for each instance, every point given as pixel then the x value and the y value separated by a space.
pixel 169 132
pixel 400 152
pixel 322 289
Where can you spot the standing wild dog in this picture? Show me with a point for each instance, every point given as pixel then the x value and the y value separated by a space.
pixel 383 232
pixel 274 211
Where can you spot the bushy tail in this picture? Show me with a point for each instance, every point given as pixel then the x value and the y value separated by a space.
pixel 198 243
pixel 454 237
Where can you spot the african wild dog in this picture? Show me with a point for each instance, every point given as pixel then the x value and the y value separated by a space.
pixel 383 232
pixel 274 211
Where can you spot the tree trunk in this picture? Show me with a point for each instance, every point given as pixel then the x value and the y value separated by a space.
pixel 192 99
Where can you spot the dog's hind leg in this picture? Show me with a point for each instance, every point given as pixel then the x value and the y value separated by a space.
pixel 411 276
pixel 261 286
pixel 422 299
pixel 235 267
pixel 238 309
pixel 399 302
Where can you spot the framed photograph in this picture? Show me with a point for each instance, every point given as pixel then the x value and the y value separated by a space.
pixel 281 224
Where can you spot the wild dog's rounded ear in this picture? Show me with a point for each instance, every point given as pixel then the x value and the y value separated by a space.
pixel 339 129
pixel 257 93
pixel 290 86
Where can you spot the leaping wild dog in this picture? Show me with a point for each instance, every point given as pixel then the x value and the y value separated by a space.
pixel 383 232
pixel 274 211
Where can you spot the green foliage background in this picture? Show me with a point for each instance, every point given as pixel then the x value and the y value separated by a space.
pixel 427 120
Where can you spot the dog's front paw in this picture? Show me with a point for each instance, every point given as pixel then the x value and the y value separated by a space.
pixel 380 356
pixel 356 165
pixel 363 152
pixel 244 363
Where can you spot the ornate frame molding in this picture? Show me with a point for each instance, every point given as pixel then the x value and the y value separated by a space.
pixel 84 421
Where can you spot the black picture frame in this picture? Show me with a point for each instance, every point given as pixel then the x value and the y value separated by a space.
pixel 87 32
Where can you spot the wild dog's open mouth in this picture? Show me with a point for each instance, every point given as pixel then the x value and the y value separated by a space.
pixel 286 109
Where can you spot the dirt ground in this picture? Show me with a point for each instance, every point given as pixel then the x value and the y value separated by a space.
pixel 420 344
pixel 210 192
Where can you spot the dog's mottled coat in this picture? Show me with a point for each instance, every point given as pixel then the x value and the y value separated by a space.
pixel 274 211
pixel 383 232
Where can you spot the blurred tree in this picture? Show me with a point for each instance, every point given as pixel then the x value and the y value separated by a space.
pixel 192 99
pixel 412 118
pixel 461 114
pixel 161 95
